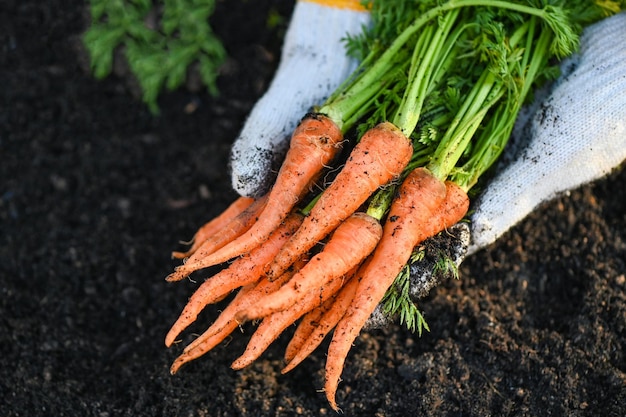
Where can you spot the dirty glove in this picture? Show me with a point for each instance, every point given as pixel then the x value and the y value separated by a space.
pixel 313 64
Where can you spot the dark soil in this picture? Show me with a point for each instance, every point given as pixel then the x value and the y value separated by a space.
pixel 96 192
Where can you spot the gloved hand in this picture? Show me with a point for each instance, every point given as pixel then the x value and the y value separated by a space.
pixel 574 133
pixel 313 64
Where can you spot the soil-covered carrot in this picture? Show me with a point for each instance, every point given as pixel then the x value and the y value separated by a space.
pixel 314 144
pixel 423 206
pixel 275 323
pixel 304 329
pixel 233 229
pixel 243 271
pixel 453 209
pixel 223 326
pixel 313 319
pixel 214 225
pixel 226 322
pixel 378 158
pixel 419 198
pixel 351 242
pixel 321 322
pixel 439 90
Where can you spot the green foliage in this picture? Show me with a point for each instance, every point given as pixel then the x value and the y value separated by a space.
pixel 446 266
pixel 397 300
pixel 275 20
pixel 160 40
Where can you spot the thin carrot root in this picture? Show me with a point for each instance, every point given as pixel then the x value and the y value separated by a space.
pixel 380 156
pixel 268 331
pixel 351 242
pixel 311 319
pixel 307 325
pixel 235 228
pixel 244 270
pixel 226 322
pixel 274 324
pixel 324 319
pixel 314 144
pixel 216 333
pixel 214 225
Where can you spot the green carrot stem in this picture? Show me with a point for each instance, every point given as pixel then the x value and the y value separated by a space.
pixel 490 144
pixel 425 63
pixel 351 100
pixel 484 94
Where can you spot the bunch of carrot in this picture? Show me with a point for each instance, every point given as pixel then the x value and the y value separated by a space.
pixel 426 114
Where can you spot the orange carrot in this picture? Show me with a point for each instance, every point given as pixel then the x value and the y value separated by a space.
pixel 420 198
pixel 314 144
pixel 305 328
pixel 244 270
pixel 380 156
pixel 453 209
pixel 226 323
pixel 274 324
pixel 214 225
pixel 330 314
pixel 216 333
pixel 236 227
pixel 271 327
pixel 319 316
pixel 351 242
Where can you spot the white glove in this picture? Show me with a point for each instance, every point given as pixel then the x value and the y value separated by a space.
pixel 574 136
pixel 313 64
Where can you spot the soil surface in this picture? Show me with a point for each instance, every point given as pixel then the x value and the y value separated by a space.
pixel 96 192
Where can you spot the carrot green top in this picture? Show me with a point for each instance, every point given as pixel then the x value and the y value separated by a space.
pixel 453 75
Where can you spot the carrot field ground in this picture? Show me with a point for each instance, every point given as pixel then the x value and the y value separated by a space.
pixel 95 192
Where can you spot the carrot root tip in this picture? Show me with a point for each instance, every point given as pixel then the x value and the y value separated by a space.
pixel 174 277
pixel 170 338
pixel 176 366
